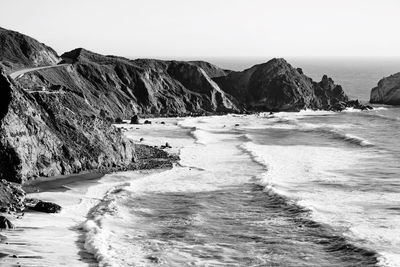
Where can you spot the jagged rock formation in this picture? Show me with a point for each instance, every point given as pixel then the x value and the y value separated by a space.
pixel 387 91
pixel 18 50
pixel 277 86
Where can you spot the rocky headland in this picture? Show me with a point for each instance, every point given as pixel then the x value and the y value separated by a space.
pixel 387 91
pixel 59 120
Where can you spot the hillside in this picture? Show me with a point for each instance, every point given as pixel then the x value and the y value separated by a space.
pixel 18 51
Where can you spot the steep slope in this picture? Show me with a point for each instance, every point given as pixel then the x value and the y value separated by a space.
pixel 45 135
pixel 18 51
pixel 277 86
pixel 119 87
pixel 387 91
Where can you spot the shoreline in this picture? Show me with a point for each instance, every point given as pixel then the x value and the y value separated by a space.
pixel 60 183
pixel 29 243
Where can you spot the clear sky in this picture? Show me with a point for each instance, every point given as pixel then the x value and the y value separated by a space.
pixel 211 28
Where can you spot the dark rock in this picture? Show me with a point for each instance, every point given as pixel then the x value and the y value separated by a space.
pixel 387 91
pixel 277 86
pixel 339 106
pixel 147 122
pixel 141 139
pixel 162 122
pixel 167 145
pixel 47 207
pixel 119 121
pixel 135 119
pixel 153 259
pixel 357 105
pixel 5 223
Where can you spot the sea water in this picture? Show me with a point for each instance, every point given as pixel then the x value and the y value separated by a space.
pixel 313 188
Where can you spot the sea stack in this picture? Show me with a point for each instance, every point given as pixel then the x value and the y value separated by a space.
pixel 387 91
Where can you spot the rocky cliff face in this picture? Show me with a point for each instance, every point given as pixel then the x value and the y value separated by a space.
pixel 45 135
pixel 387 91
pixel 18 50
pixel 118 87
pixel 277 86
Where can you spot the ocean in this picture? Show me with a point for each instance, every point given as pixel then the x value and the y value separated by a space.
pixel 313 188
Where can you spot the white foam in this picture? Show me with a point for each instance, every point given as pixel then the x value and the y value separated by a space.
pixel 314 176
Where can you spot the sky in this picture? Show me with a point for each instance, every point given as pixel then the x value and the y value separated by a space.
pixel 211 28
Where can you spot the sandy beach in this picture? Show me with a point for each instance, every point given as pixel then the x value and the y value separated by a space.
pixel 59 239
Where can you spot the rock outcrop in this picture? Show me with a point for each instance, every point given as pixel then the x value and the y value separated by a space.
pixel 277 86
pixel 387 91
pixel 18 50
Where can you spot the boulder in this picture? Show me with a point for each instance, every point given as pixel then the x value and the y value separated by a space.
pixel 147 122
pixel 135 119
pixel 5 223
pixel 47 207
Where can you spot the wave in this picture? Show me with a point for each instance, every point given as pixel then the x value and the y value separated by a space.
pixel 301 175
pixel 381 116
pixel 334 131
pixel 353 139
pixel 97 235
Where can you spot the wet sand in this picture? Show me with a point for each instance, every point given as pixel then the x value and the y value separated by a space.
pixel 61 183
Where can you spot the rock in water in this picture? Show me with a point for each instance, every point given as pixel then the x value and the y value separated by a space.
pixel 387 91
pixel 135 119
pixel 147 122
pixel 5 223
pixel 47 207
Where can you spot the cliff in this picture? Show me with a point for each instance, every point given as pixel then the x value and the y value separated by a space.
pixel 18 51
pixel 277 86
pixel 45 135
pixel 387 91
